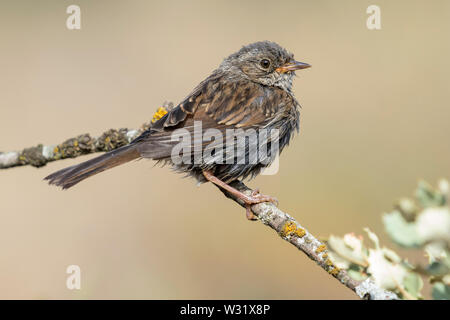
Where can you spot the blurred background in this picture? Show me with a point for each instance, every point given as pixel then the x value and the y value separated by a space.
pixel 374 119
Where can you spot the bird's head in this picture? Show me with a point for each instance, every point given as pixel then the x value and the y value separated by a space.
pixel 263 62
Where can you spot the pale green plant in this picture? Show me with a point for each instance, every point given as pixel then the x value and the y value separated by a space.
pixel 422 223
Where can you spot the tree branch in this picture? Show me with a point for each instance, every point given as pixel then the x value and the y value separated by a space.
pixel 285 225
pixel 297 235
pixel 40 155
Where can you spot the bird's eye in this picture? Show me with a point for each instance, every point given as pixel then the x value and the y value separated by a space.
pixel 265 63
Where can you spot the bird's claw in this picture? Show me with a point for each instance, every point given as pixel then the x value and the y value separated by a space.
pixel 263 198
pixel 256 198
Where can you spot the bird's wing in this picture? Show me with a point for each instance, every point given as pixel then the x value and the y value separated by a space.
pixel 218 104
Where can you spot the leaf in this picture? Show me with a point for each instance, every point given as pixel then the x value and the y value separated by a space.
pixel 391 255
pixel 356 272
pixel 438 258
pixel 407 208
pixel 437 252
pixel 429 197
pixel 339 261
pixel 342 248
pixel 441 291
pixel 413 284
pixel 373 237
pixel 437 269
pixel 443 186
pixel 446 279
pixel 433 224
pixel 401 232
pixel 386 274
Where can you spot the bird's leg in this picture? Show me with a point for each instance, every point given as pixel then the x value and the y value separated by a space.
pixel 254 198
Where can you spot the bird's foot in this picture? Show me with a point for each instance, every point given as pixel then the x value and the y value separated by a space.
pixel 256 198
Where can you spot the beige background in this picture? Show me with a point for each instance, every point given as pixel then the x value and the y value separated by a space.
pixel 375 119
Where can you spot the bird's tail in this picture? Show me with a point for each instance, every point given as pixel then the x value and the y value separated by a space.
pixel 70 176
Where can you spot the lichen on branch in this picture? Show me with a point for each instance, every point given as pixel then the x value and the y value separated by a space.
pixel 285 225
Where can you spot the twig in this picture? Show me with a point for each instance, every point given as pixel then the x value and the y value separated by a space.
pixel 286 226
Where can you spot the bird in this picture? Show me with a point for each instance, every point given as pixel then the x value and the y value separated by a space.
pixel 251 90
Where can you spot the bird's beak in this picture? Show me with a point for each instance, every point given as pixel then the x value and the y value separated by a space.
pixel 292 66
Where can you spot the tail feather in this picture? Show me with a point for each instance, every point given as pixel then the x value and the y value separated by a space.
pixel 70 176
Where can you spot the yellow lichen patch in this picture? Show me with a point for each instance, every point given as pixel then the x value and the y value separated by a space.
pixel 334 271
pixel 325 255
pixel 300 232
pixel 56 150
pixel 288 228
pixel 75 143
pixel 329 262
pixel 107 140
pixel 161 112
pixel 321 248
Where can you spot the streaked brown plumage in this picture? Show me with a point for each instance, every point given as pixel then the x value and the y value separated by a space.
pixel 251 89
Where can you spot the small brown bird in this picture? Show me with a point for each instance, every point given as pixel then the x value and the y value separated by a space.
pixel 250 90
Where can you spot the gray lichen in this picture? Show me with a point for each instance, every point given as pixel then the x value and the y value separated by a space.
pixel 370 291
